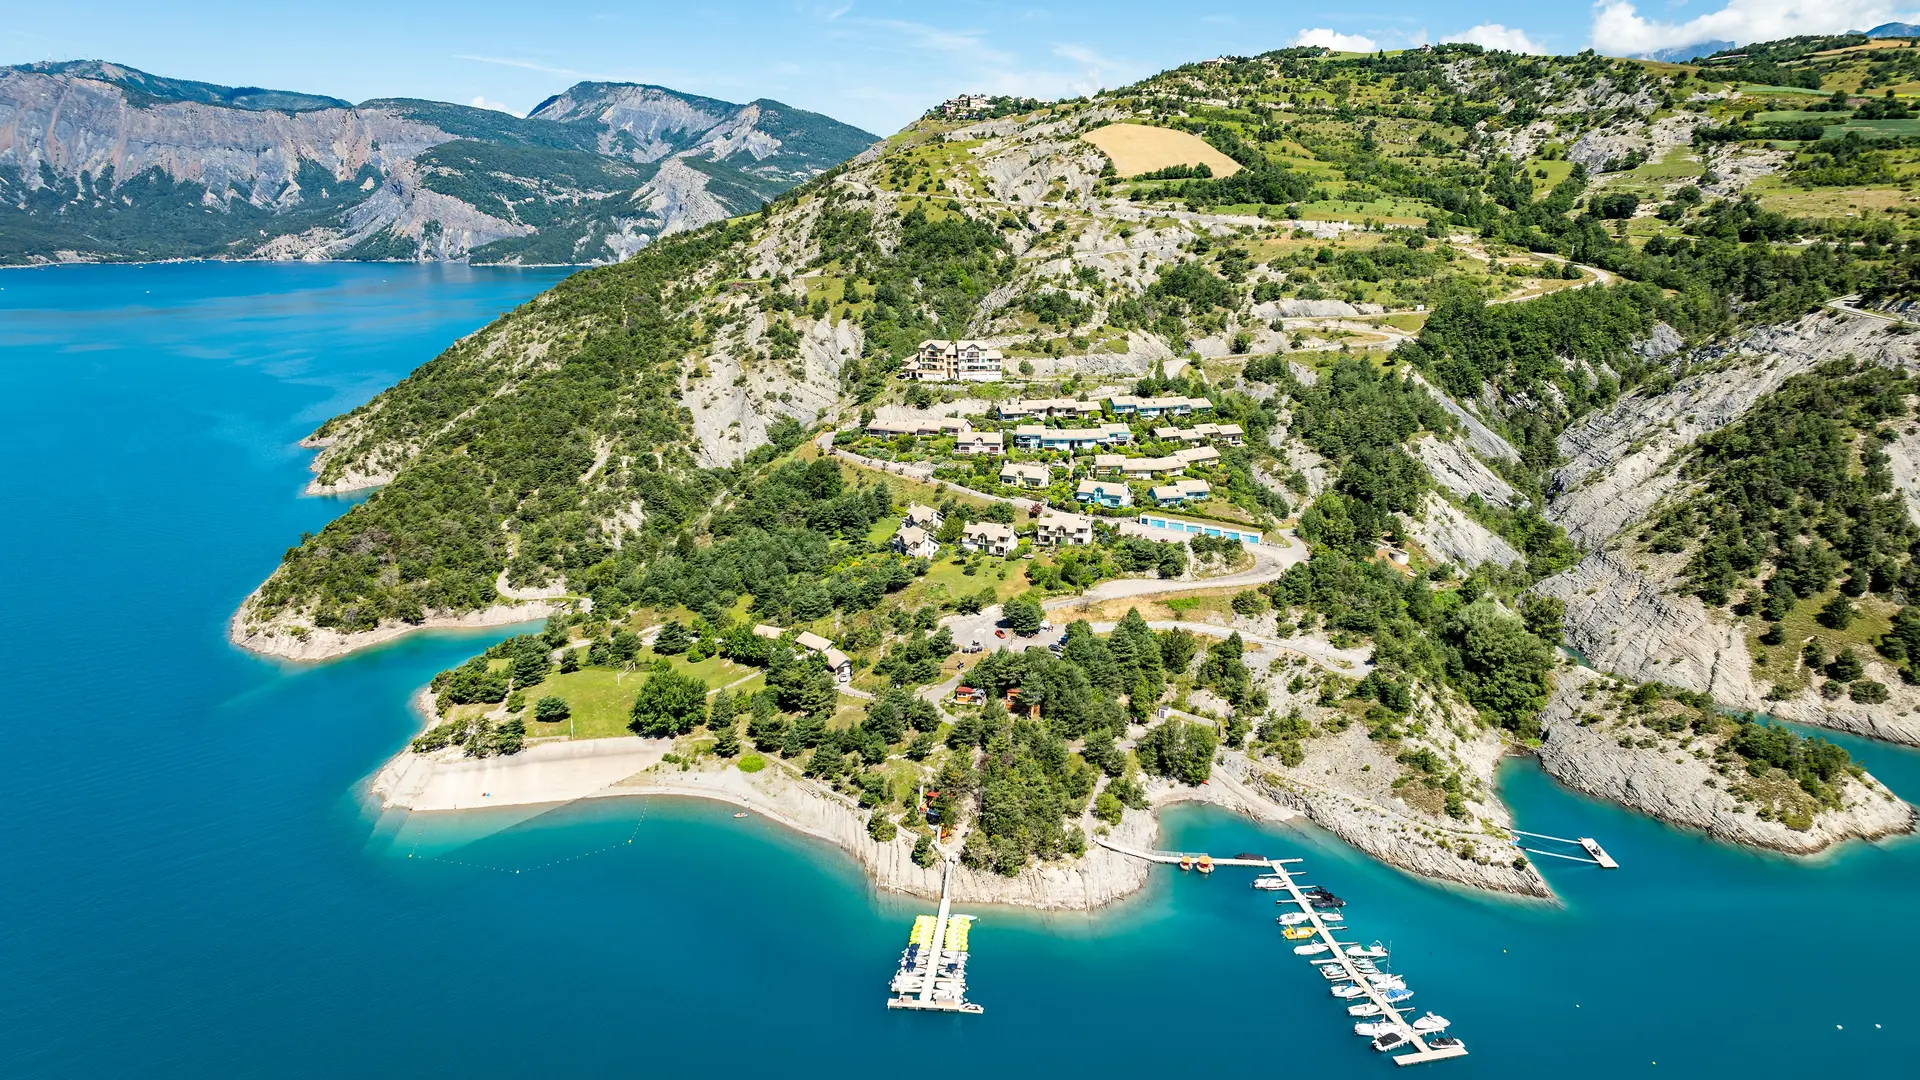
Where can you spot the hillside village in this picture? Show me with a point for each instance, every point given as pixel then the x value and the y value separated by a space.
pixel 1301 423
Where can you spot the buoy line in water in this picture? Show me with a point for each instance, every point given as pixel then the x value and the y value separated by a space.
pixel 414 852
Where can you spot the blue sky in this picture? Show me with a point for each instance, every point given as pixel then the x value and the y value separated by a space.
pixel 877 65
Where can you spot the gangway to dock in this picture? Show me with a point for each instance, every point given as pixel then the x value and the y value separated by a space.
pixel 1596 854
pixel 928 966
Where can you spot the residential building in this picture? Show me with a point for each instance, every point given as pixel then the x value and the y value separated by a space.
pixel 1181 491
pixel 914 542
pixel 1055 528
pixel 1178 434
pixel 1222 434
pixel 771 633
pixel 838 663
pixel 990 537
pixel 944 360
pixel 1048 408
pixel 1109 464
pixel 924 516
pixel 989 443
pixel 811 641
pixel 1104 492
pixel 1147 468
pixel 1151 407
pixel 1070 440
pixel 1020 474
pixel 919 424
pixel 1198 455
pixel 1244 534
pixel 965 106
pixel 969 695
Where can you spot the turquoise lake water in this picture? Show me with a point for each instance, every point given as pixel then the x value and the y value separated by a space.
pixel 191 885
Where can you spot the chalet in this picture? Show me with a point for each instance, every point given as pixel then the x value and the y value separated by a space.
pixel 1104 492
pixel 1222 434
pixel 1147 468
pixel 1180 491
pixel 943 360
pixel 990 537
pixel 969 695
pixel 1178 434
pixel 972 443
pixel 1016 474
pixel 1109 464
pixel 836 661
pixel 1057 528
pixel 839 663
pixel 914 542
pixel 924 516
pixel 771 633
pixel 1151 407
pixel 1198 455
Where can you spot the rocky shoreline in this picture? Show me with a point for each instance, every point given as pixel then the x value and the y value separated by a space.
pixel 290 640
pixel 1683 790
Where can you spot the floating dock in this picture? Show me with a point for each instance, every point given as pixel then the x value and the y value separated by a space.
pixel 933 970
pixel 1596 854
pixel 1422 1051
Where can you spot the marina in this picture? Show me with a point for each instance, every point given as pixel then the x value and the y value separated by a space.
pixel 933 968
pixel 1353 972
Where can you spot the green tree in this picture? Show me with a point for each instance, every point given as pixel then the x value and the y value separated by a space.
pixel 672 640
pixel 1022 615
pixel 551 709
pixel 1499 665
pixel 669 703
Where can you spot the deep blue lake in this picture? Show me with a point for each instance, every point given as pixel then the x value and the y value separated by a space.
pixel 191 884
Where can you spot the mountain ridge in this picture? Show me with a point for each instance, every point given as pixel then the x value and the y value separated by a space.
pixel 99 161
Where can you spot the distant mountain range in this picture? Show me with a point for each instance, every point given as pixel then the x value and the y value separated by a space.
pixel 104 162
pixel 1700 50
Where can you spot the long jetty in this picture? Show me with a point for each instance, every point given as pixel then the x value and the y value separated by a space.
pixel 926 971
pixel 1422 1051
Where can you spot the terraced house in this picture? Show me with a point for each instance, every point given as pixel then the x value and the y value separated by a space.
pixel 1071 440
pixel 990 537
pixel 1105 493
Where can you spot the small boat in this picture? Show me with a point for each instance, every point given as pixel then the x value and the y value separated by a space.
pixel 1364 967
pixel 1394 996
pixel 1374 1028
pixel 1327 900
pixel 1186 862
pixel 1365 1008
pixel 1431 1022
pixel 1392 1040
pixel 1386 982
pixel 741 814
pixel 1314 949
pixel 1335 974
pixel 1348 991
pixel 1296 933
pixel 1445 1042
pixel 1293 918
pixel 1205 865
pixel 1376 951
pixel 1270 884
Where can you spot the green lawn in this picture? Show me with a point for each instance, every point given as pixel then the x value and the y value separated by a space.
pixel 1782 666
pixel 602 698
pixel 1873 127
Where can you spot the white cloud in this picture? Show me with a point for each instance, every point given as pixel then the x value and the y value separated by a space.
pixel 1619 29
pixel 1495 36
pixel 968 45
pixel 480 102
pixel 1328 39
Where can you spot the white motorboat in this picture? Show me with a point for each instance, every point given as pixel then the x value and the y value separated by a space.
pixel 1374 1028
pixel 1392 1040
pixel 1314 949
pixel 1386 982
pixel 1333 973
pixel 1269 884
pixel 1446 1042
pixel 1329 961
pixel 1372 952
pixel 1294 918
pixel 1366 1008
pixel 1347 991
pixel 1431 1022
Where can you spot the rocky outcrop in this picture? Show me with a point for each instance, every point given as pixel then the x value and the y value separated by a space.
pixel 1619 462
pixel 1480 438
pixel 1454 467
pixel 1628 623
pixel 1449 535
pixel 1682 788
pixel 291 637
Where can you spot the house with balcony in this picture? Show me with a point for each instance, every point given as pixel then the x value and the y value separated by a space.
pixel 1180 492
pixel 926 517
pixel 989 537
pixel 915 543
pixel 1105 493
pixel 1148 468
pixel 944 360
pixel 1056 528
pixel 979 443
pixel 920 424
pixel 1022 475
pixel 1048 409
pixel 1198 455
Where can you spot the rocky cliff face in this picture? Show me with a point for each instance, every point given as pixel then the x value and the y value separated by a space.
pixel 1676 781
pixel 99 162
